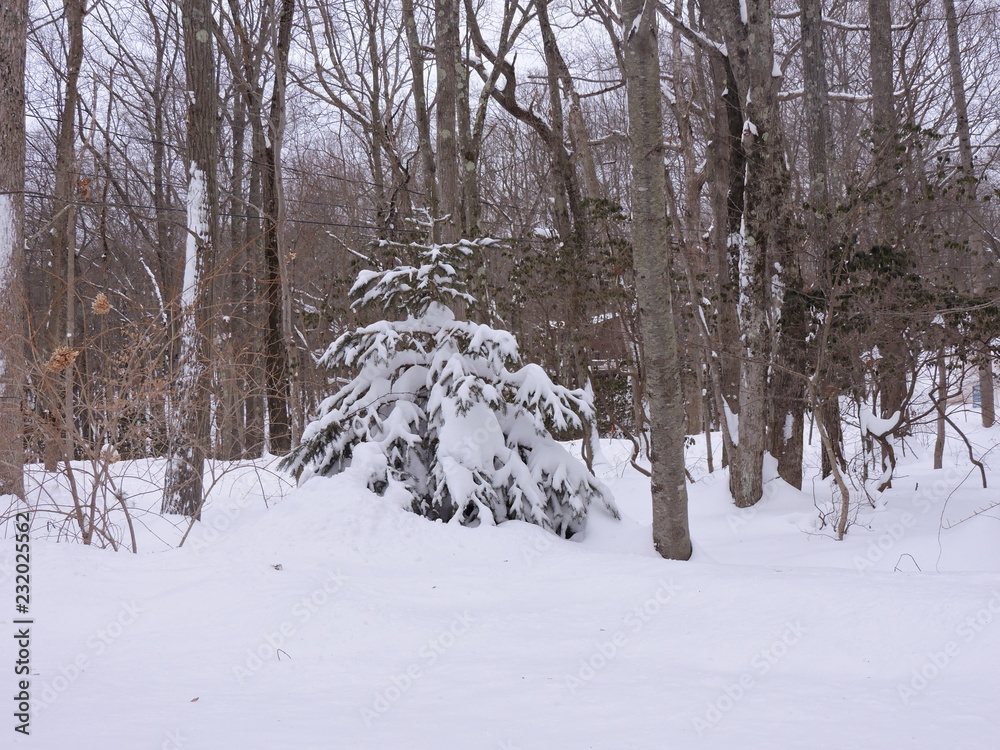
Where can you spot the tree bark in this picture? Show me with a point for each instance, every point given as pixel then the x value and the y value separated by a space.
pixel 942 404
pixel 425 151
pixel 651 254
pixel 765 232
pixel 278 347
pixel 788 386
pixel 726 168
pixel 183 483
pixel 817 110
pixel 971 218
pixel 447 45
pixel 265 232
pixel 792 349
pixel 13 30
pixel 468 152
pixel 57 396
pixel 885 133
pixel 884 125
pixel 818 224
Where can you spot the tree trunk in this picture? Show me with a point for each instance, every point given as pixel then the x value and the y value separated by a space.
pixel 885 134
pixel 765 235
pixel 817 226
pixel 13 29
pixel 57 396
pixel 788 385
pixel 726 165
pixel 652 269
pixel 942 399
pixel 271 363
pixel 817 111
pixel 183 491
pixel 571 219
pixel 277 346
pixel 970 206
pixel 233 280
pixel 447 45
pixel 424 150
pixel 987 395
pixel 468 154
pixel 884 126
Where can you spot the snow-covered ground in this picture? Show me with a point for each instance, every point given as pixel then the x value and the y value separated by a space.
pixel 335 619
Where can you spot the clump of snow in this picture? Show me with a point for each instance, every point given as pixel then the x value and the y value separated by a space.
pixel 877 426
pixel 8 232
pixel 197 228
pixel 786 432
pixel 732 422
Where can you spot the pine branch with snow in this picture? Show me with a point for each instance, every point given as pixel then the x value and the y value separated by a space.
pixel 442 411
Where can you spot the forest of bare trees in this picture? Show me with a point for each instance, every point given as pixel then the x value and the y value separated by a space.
pixel 769 219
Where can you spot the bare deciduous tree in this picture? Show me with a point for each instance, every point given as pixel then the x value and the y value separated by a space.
pixel 182 492
pixel 651 253
pixel 13 29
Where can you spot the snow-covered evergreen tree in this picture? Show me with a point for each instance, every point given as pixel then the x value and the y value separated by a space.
pixel 445 410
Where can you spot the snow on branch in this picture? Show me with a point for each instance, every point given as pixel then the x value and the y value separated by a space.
pixel 442 412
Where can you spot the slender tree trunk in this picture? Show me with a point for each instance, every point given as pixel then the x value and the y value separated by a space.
pixel 571 219
pixel 987 394
pixel 233 332
pixel 819 228
pixel 884 125
pixel 788 385
pixel 424 150
pixel 377 135
pixel 726 166
pixel 13 30
pixel 942 399
pixel 258 267
pixel 54 397
pixel 256 396
pixel 273 369
pixel 161 198
pixel 468 154
pixel 817 111
pixel 277 346
pixel 653 289
pixel 765 235
pixel 183 490
pixel 885 140
pixel 447 45
pixel 275 361
pixel 971 217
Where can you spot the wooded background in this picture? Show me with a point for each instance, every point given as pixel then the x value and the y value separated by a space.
pixel 829 173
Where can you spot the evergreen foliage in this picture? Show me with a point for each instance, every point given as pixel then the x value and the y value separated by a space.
pixel 444 409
